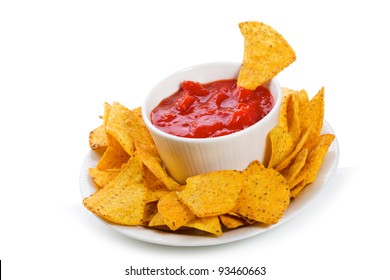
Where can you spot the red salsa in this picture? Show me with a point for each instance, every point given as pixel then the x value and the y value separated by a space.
pixel 211 110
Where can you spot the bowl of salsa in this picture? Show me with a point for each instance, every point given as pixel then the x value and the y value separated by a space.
pixel 201 121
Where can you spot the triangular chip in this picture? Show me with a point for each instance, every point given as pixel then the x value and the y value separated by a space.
pixel 173 211
pixel 102 177
pixel 207 224
pixel 122 201
pixel 150 211
pixel 265 195
pixel 112 158
pixel 298 147
pixel 317 148
pixel 230 221
pixel 312 115
pixel 212 193
pixel 157 221
pixel 118 125
pixel 282 145
pixel 292 171
pixel 154 164
pixel 155 188
pixel 97 138
pixel 266 53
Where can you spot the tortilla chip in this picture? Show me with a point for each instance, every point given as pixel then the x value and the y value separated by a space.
pixel 316 157
pixel 110 139
pixel 155 166
pixel 282 145
pixel 97 138
pixel 265 195
pixel 118 126
pixel 207 224
pixel 312 115
pixel 155 188
pixel 298 147
pixel 293 121
pixel 102 177
pixel 282 121
pixel 317 149
pixel 157 221
pixel 231 221
pixel 142 132
pixel 297 189
pixel 173 211
pixel 122 201
pixel 303 98
pixel 299 121
pixel 266 53
pixel 150 211
pixel 292 171
pixel 113 158
pixel 213 193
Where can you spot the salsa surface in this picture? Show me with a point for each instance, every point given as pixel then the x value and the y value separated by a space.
pixel 211 110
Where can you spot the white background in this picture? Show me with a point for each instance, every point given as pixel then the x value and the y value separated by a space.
pixel 60 60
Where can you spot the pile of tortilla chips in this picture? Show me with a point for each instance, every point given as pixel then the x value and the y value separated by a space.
pixel 134 189
pixel 298 148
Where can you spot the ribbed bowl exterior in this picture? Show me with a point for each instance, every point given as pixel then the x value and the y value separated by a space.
pixel 185 157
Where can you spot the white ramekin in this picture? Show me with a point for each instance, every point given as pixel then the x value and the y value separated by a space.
pixel 185 157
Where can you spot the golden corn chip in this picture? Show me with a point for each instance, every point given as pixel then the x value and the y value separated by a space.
pixel 145 148
pixel 289 112
pixel 298 147
pixel 317 148
pixel 112 158
pixel 266 53
pixel 109 138
pixel 284 136
pixel 265 195
pixel 118 126
pixel 142 131
pixel 128 128
pixel 303 98
pixel 282 145
pixel 282 121
pixel 292 171
pixel 304 120
pixel 155 166
pixel 157 221
pixel 297 189
pixel 207 224
pixel 155 188
pixel 245 219
pixel 312 115
pixel 301 95
pixel 287 91
pixel 316 157
pixel 102 177
pixel 293 121
pixel 173 211
pixel 213 193
pixel 231 221
pixel 150 211
pixel 143 140
pixel 122 201
pixel 107 110
pixel 97 138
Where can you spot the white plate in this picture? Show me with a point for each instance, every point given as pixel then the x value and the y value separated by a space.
pixel 179 239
